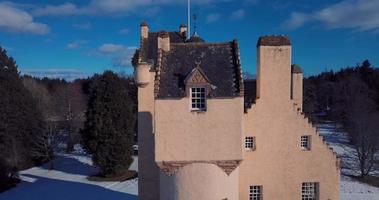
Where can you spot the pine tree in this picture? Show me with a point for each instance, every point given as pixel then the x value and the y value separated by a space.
pixel 108 131
pixel 21 123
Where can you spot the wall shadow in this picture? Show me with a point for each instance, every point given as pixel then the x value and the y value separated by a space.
pixel 148 171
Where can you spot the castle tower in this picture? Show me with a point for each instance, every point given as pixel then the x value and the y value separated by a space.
pixel 148 171
pixel 204 134
pixel 181 107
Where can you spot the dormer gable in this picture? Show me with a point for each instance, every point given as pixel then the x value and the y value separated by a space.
pixel 197 77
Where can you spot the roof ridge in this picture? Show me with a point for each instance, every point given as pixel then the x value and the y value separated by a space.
pixel 202 43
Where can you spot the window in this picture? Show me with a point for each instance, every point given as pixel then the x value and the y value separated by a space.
pixel 305 142
pixel 255 192
pixel 198 98
pixel 249 143
pixel 309 191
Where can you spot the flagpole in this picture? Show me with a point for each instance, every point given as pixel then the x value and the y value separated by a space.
pixel 189 19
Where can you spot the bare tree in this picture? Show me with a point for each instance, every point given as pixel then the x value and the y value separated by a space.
pixel 70 105
pixel 361 122
pixel 40 94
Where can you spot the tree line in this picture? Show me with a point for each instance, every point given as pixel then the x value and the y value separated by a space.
pixel 39 117
pixel 349 97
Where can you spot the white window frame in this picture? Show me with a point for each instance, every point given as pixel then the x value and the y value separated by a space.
pixel 305 142
pixel 249 143
pixel 310 191
pixel 255 192
pixel 198 98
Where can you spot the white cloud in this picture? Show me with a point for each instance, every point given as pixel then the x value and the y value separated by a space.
pixel 76 44
pixel 111 48
pixel 121 55
pixel 213 17
pixel 124 60
pixel 362 15
pixel 16 20
pixel 238 14
pixel 61 73
pixel 296 20
pixel 63 9
pixel 96 7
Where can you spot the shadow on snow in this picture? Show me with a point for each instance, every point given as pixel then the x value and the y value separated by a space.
pixel 71 165
pixel 49 189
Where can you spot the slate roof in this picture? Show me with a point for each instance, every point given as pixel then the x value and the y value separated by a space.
pixel 149 49
pixel 195 38
pixel 219 61
pixel 274 40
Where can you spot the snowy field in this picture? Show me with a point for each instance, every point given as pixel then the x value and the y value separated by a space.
pixel 69 179
pixel 350 189
pixel 69 182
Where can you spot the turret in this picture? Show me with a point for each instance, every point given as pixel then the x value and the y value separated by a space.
pixel 274 69
pixel 141 68
pixel 142 74
pixel 297 86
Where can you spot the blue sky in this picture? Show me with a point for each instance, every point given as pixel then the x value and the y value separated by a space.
pixel 78 38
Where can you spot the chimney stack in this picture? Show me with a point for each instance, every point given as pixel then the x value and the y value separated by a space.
pixel 297 86
pixel 274 69
pixel 183 30
pixel 144 30
pixel 164 41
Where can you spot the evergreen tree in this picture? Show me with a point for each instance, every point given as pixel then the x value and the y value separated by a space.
pixel 109 128
pixel 21 123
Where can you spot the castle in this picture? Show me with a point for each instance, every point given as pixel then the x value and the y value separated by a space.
pixel 206 134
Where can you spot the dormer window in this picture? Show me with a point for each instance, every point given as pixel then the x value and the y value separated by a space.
pixel 198 87
pixel 198 98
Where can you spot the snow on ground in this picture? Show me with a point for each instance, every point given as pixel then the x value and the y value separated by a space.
pixel 350 189
pixel 68 181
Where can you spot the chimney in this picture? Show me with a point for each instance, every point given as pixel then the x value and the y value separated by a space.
pixel 164 41
pixel 183 30
pixel 297 86
pixel 274 69
pixel 144 30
